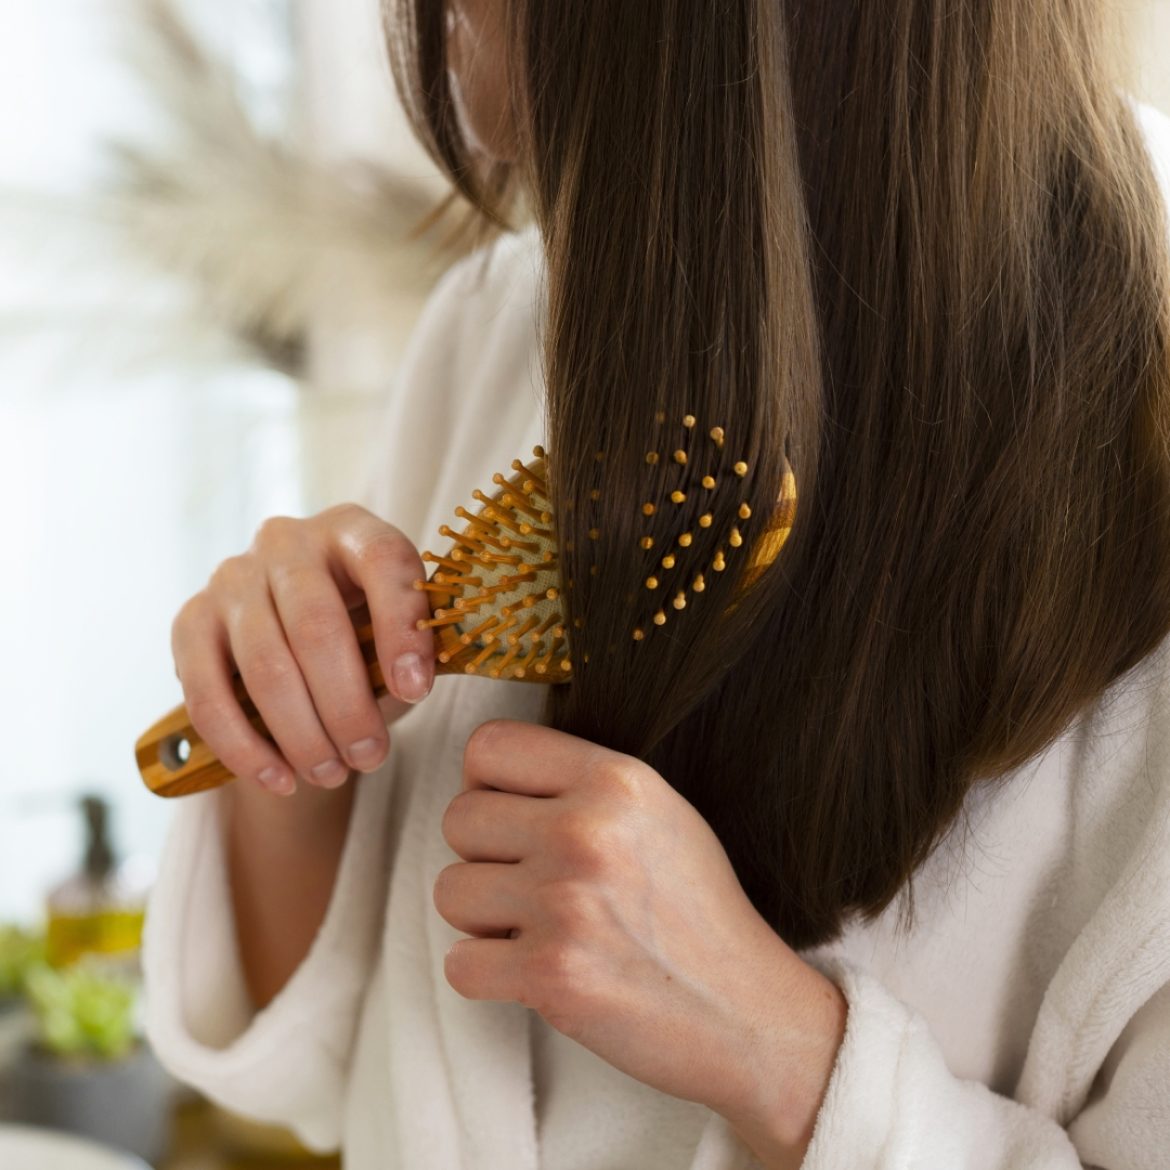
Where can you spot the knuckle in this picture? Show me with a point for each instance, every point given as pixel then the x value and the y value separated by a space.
pixel 188 609
pixel 444 888
pixel 209 717
pixel 274 530
pixel 619 778
pixel 188 613
pixel 458 970
pixel 582 841
pixel 389 551
pixel 342 512
pixel 315 625
pixel 454 817
pixel 554 972
pixel 229 570
pixel 479 740
pixel 294 580
pixel 266 671
pixel 206 711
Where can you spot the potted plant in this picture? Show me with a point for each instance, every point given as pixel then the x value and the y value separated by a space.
pixel 85 1069
pixel 19 950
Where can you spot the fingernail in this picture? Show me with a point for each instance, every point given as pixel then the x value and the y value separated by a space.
pixel 330 774
pixel 277 780
pixel 410 679
pixel 367 753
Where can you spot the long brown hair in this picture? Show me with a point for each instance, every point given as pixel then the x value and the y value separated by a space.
pixel 916 252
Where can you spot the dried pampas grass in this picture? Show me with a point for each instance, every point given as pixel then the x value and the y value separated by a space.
pixel 268 235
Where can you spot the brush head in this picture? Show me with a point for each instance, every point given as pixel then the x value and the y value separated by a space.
pixel 496 595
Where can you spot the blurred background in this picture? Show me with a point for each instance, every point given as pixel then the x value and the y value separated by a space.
pixel 208 269
pixel 207 274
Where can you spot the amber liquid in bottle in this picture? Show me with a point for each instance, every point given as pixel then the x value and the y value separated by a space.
pixel 96 911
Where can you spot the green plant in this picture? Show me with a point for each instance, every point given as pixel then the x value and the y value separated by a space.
pixel 82 1010
pixel 19 951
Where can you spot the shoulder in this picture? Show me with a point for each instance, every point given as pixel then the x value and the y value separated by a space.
pixel 1126 732
pixel 480 323
pixel 513 261
pixel 494 284
pixel 471 371
pixel 1118 797
pixel 1137 703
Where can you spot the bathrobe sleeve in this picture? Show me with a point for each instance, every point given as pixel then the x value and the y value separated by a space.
pixel 285 1064
pixel 288 1063
pixel 892 1102
pixel 1126 1122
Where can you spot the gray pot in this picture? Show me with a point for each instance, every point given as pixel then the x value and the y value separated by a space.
pixel 124 1103
pixel 16 1029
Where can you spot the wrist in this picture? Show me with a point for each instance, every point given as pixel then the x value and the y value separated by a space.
pixel 790 1075
pixel 307 815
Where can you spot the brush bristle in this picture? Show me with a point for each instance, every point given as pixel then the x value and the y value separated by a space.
pixel 496 594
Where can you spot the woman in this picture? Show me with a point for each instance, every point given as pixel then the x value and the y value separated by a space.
pixel 871 870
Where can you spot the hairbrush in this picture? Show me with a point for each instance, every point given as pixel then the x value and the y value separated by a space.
pixel 495 597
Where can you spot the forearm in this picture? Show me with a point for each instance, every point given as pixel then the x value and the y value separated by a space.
pixel 283 855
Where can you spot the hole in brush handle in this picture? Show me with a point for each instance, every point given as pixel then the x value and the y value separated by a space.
pixel 174 752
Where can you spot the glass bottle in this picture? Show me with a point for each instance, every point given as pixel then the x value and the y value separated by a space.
pixel 100 909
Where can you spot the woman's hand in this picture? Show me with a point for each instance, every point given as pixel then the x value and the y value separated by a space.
pixel 602 899
pixel 279 613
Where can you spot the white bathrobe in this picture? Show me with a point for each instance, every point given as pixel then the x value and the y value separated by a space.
pixel 1025 1022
